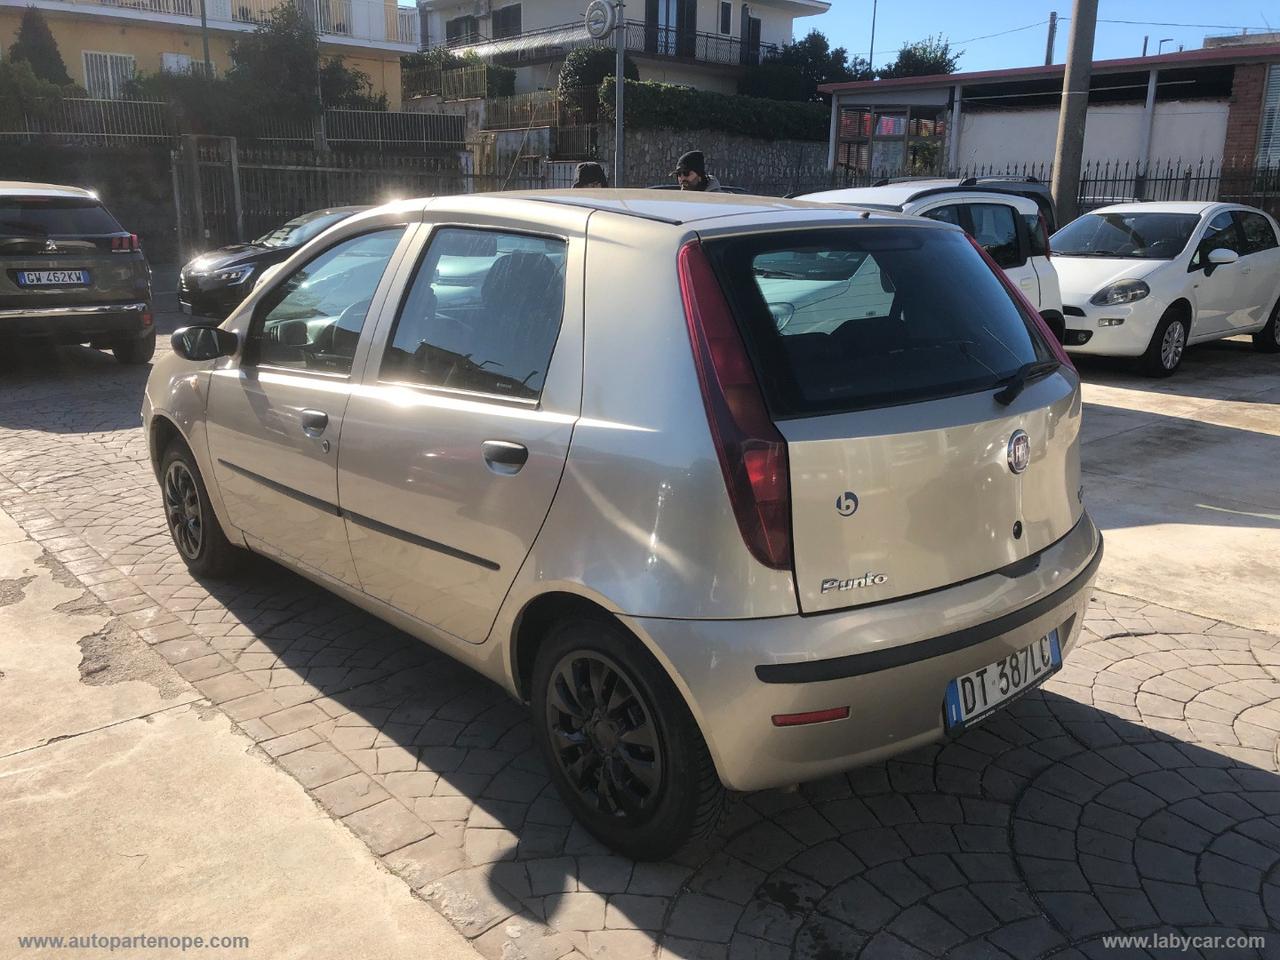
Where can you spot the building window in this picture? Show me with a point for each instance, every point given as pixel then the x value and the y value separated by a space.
pixel 726 17
pixel 106 74
pixel 176 62
pixel 1269 135
pixel 891 140
pixel 506 22
pixel 461 30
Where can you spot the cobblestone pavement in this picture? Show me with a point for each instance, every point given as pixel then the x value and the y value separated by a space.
pixel 1137 793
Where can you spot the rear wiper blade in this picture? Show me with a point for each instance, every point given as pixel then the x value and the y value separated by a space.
pixel 1025 374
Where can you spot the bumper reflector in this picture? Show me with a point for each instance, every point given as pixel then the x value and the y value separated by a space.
pixel 147 319
pixel 814 716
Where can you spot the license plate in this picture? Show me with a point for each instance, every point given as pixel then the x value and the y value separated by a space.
pixel 972 697
pixel 48 278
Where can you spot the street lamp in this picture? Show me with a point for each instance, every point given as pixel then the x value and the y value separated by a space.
pixel 1160 46
pixel 604 17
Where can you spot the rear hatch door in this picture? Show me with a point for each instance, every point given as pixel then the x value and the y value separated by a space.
pixel 881 350
pixel 65 251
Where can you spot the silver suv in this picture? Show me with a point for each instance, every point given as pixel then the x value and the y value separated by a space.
pixel 735 492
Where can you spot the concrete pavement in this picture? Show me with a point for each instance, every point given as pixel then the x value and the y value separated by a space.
pixel 130 805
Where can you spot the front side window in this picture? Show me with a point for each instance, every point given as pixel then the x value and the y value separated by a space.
pixel 848 319
pixel 312 320
pixel 1258 235
pixel 482 315
pixel 1221 234
pixel 1135 236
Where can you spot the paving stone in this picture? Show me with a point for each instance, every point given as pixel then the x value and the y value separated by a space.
pixel 577 911
pixel 346 796
pixel 522 938
pixel 386 826
pixel 629 910
pixel 317 765
pixel 705 918
pixel 658 879
pixel 428 860
pixel 468 900
pixel 604 874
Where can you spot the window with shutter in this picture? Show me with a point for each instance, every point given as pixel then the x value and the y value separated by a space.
pixel 1269 135
pixel 507 22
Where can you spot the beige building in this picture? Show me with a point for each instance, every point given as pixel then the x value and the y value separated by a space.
pixel 698 43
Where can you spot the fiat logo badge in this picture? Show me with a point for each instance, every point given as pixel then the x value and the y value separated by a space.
pixel 1019 451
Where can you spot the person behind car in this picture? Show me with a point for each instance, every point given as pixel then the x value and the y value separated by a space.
pixel 691 173
pixel 590 176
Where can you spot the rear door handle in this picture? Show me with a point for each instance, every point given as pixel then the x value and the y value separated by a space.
pixel 1025 282
pixel 313 422
pixel 505 457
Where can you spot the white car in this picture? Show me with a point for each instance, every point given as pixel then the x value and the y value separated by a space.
pixel 1147 279
pixel 1009 226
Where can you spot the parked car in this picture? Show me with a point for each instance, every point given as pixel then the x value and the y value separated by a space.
pixel 69 273
pixel 1011 227
pixel 1033 188
pixel 708 551
pixel 212 284
pixel 1146 280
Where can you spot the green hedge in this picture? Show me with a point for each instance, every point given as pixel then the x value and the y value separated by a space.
pixel 663 105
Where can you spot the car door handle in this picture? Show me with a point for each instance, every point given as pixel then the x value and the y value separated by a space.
pixel 505 457
pixel 313 422
pixel 1025 282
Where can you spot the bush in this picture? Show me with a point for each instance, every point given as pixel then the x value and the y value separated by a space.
pixel 662 105
pixel 589 66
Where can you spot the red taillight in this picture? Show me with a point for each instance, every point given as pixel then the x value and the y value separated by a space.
pixel 753 455
pixel 148 319
pixel 126 244
pixel 813 716
pixel 1054 343
pixel 134 242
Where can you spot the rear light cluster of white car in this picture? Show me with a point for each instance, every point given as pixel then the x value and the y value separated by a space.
pixel 753 455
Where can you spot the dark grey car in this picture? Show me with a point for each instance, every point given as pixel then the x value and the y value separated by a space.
pixel 70 273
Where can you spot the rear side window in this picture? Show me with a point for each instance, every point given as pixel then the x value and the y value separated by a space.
pixel 995 227
pixel 482 315
pixel 54 217
pixel 947 214
pixel 1037 235
pixel 840 320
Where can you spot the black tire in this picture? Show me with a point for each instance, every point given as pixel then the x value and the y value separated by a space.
pixel 134 352
pixel 605 748
pixel 194 526
pixel 1167 347
pixel 1267 340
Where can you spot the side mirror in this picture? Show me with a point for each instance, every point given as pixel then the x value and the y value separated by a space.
pixel 1221 256
pixel 204 343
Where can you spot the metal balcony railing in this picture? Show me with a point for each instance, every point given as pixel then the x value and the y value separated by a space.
pixel 645 39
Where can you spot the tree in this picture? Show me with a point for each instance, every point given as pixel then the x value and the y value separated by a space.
pixel 275 69
pixel 35 45
pixel 797 70
pixel 343 86
pixel 924 58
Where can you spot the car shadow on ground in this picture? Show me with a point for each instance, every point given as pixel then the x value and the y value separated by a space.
pixel 1037 833
pixel 1199 377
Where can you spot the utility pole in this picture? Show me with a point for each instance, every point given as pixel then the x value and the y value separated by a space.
pixel 620 86
pixel 204 37
pixel 1144 44
pixel 871 57
pixel 1074 110
pixel 1053 35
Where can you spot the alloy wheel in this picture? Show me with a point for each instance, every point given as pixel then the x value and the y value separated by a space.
pixel 1175 341
pixel 182 509
pixel 604 735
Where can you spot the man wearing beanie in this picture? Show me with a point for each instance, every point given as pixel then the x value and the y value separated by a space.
pixel 590 176
pixel 691 173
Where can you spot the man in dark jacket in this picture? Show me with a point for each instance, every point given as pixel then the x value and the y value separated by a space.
pixel 590 176
pixel 691 173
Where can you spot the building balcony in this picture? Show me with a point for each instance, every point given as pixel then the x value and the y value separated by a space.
pixel 643 40
pixel 355 22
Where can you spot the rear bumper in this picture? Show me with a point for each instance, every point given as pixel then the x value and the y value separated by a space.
pixel 79 323
pixel 890 663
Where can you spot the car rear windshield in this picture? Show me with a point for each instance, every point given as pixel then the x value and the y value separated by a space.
pixel 1140 236
pixel 845 319
pixel 54 217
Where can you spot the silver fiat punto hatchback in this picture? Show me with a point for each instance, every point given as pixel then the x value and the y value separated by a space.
pixel 735 492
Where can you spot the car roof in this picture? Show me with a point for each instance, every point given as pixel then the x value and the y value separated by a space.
pixel 1198 207
pixel 673 207
pixel 893 195
pixel 329 211
pixel 23 188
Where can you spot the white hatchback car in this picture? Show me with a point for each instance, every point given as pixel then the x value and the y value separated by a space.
pixel 1147 279
pixel 1010 227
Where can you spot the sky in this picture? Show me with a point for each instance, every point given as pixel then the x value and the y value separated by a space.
pixel 848 24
